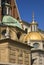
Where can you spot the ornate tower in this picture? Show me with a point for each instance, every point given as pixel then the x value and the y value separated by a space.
pixel 0 11
pixel 9 7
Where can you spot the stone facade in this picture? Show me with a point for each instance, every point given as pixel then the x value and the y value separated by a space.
pixel 15 43
pixel 14 52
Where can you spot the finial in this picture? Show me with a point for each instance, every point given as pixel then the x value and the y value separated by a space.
pixel 33 16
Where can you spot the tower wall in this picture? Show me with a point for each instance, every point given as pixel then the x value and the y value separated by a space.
pixel 13 9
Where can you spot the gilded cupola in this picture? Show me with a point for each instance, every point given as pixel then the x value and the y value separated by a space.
pixel 34 34
pixel 33 24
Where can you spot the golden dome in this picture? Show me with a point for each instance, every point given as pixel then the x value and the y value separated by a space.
pixel 33 36
pixel 42 34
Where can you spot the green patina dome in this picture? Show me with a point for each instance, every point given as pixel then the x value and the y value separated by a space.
pixel 10 21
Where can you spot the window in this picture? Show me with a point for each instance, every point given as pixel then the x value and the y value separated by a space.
pixel 36 45
pixel 18 34
pixel 6 33
pixel 0 3
pixel 3 32
pixel 5 8
pixel 26 30
pixel 5 1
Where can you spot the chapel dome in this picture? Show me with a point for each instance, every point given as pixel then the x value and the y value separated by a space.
pixel 33 36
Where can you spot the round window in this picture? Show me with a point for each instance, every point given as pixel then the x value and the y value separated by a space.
pixel 35 45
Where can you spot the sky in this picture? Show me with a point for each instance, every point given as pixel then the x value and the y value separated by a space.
pixel 26 9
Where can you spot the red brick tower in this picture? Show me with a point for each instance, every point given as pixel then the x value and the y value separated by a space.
pixel 0 11
pixel 9 7
pixel 14 11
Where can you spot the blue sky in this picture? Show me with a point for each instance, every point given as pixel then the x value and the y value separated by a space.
pixel 27 7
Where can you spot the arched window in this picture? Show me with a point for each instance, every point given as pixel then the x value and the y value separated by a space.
pixel 5 33
pixel 26 30
pixel 18 34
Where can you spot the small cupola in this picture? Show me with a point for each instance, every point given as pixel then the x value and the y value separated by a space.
pixel 33 25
